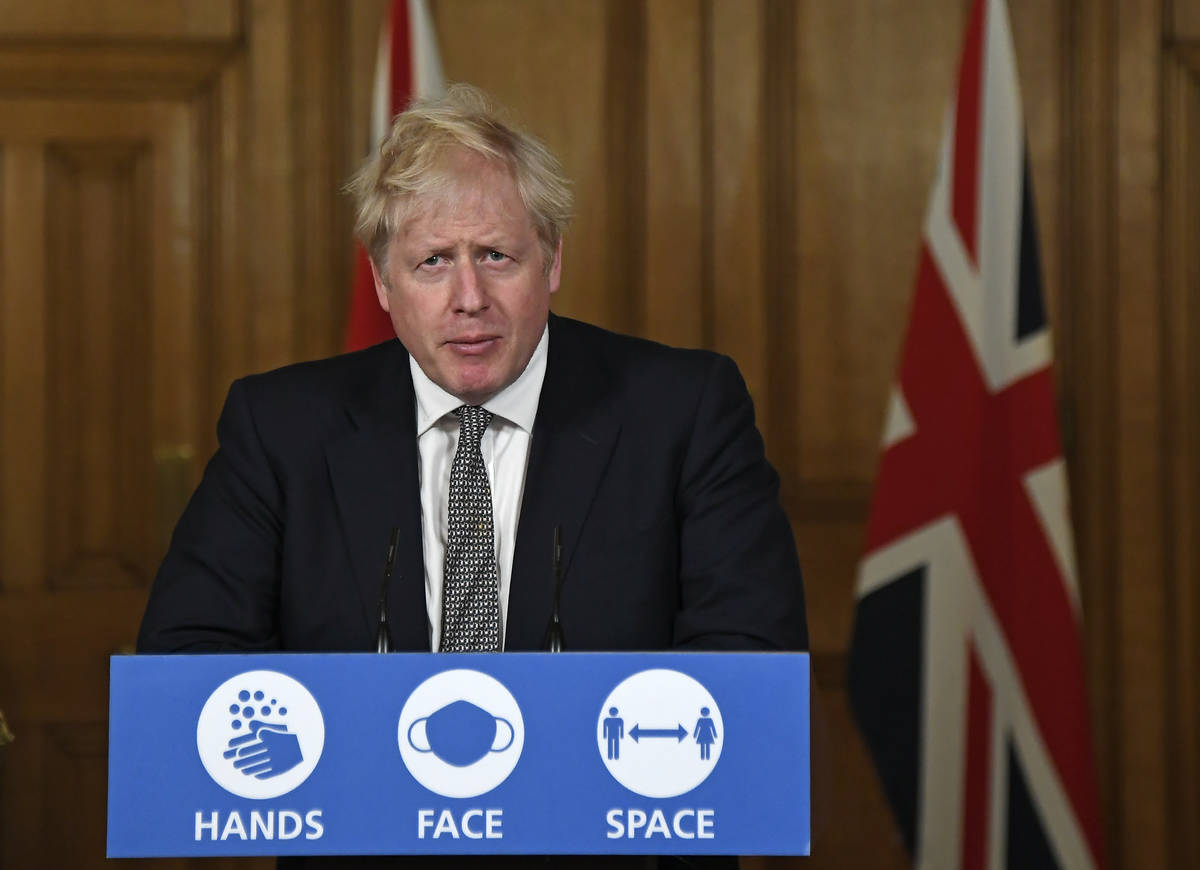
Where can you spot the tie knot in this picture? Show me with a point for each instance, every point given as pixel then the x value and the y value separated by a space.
pixel 473 419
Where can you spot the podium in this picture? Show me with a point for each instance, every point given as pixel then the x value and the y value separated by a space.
pixel 512 753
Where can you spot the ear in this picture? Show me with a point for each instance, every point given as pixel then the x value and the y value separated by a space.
pixel 555 275
pixel 381 291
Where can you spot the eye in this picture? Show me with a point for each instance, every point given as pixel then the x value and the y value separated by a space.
pixel 432 260
pixel 496 257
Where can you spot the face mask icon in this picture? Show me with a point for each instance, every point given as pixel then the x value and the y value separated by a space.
pixel 461 733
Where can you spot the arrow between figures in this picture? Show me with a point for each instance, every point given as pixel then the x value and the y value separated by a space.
pixel 638 732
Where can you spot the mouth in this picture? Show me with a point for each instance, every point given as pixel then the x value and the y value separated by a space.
pixel 472 345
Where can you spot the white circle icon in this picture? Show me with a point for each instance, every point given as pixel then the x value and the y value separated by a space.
pixel 260 734
pixel 660 733
pixel 461 733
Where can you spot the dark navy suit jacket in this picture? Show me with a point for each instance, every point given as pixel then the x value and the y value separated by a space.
pixel 646 456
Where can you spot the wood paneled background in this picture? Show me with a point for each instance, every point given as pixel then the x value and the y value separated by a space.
pixel 751 176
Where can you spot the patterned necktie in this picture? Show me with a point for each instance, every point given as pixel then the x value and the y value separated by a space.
pixel 471 581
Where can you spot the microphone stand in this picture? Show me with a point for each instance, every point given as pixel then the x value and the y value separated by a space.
pixel 383 642
pixel 555 640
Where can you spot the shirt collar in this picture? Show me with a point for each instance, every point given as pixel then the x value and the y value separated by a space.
pixel 517 403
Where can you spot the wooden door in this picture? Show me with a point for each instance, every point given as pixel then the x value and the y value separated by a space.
pixel 99 375
pixel 138 141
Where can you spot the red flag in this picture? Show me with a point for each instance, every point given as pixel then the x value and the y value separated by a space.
pixel 406 66
pixel 966 666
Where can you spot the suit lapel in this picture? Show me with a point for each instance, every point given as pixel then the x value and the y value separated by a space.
pixel 573 439
pixel 373 471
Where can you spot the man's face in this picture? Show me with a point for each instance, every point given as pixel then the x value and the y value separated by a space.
pixel 465 283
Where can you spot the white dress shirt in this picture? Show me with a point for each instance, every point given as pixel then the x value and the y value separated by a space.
pixel 505 449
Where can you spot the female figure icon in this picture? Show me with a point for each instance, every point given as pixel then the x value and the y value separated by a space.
pixel 705 734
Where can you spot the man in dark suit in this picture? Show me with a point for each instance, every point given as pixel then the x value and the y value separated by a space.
pixel 489 424
pixel 646 457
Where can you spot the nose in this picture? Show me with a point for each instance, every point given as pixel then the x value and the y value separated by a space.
pixel 469 294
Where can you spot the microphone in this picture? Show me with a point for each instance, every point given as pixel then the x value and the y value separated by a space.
pixel 382 642
pixel 555 641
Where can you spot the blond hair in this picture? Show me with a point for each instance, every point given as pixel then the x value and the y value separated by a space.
pixel 416 158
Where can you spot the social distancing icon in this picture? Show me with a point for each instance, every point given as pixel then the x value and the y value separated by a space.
pixel 660 733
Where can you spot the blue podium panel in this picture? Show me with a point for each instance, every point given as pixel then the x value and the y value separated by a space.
pixel 575 753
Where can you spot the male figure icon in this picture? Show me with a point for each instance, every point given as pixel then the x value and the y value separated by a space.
pixel 614 730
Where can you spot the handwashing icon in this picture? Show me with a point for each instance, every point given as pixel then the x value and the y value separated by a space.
pixel 461 733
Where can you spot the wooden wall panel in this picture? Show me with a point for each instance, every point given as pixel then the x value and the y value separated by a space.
pixel 271 207
pixel 100 478
pixel 108 68
pixel 1139 460
pixel 673 304
pixel 780 262
pixel 557 90
pixel 1132 119
pixel 74 767
pixel 320 52
pixel 1181 359
pixel 1184 21
pixel 867 144
pixel 225 350
pixel 1087 334
pixel 144 19
pixel 23 402
pixel 22 810
pixel 624 122
pixel 734 233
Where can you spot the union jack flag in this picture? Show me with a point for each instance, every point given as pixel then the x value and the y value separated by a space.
pixel 966 670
